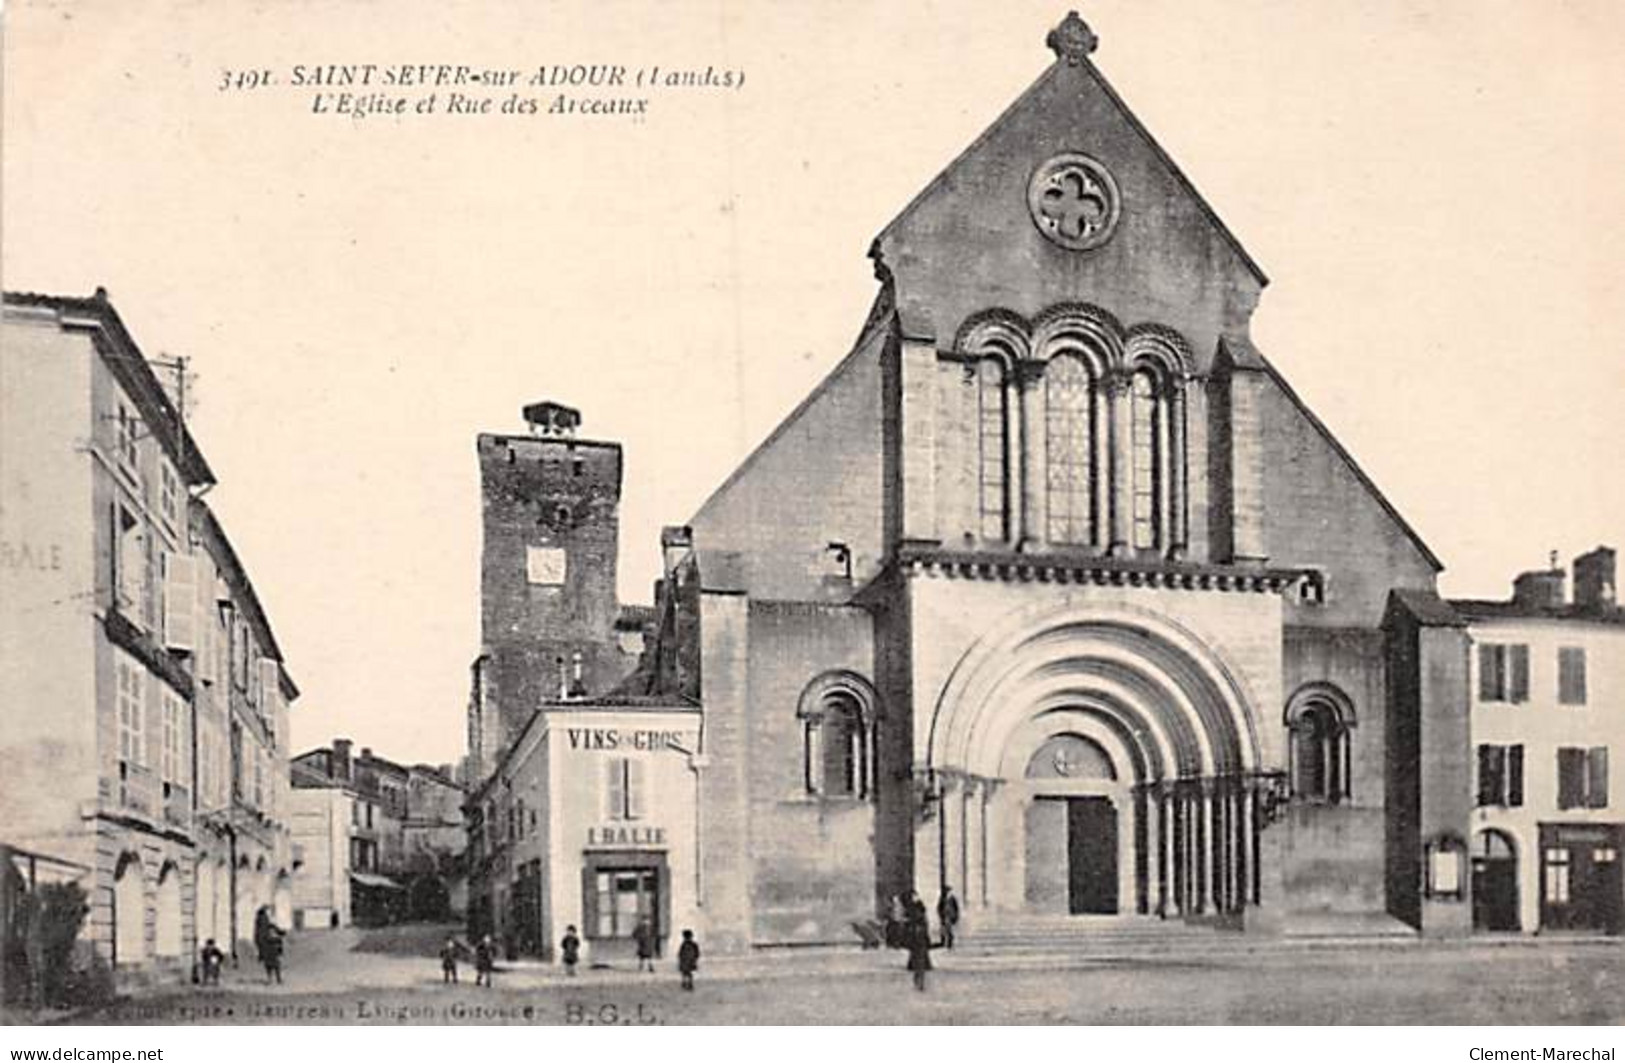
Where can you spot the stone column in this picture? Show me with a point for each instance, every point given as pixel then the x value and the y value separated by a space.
pixel 1204 848
pixel 1164 850
pixel 1119 386
pixel 1177 473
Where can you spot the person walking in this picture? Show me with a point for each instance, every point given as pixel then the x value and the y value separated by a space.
pixel 485 961
pixel 571 948
pixel 917 939
pixel 448 960
pixel 643 936
pixel 688 959
pixel 268 943
pixel 948 915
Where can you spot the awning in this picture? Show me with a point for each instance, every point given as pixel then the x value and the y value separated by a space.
pixel 375 881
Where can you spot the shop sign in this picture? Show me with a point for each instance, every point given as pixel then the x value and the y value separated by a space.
pixel 625 835
pixel 614 739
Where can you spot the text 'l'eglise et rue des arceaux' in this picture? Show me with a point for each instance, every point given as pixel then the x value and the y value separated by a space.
pixel 443 88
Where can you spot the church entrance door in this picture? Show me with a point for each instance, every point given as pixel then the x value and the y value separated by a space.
pixel 1072 855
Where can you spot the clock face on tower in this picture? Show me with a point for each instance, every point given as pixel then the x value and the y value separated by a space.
pixel 545 565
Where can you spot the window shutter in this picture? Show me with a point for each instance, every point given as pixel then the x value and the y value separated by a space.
pixel 1571 675
pixel 634 789
pixel 615 790
pixel 180 597
pixel 1597 777
pixel 270 687
pixel 1515 776
pixel 1489 672
pixel 1489 775
pixel 1520 674
pixel 1570 772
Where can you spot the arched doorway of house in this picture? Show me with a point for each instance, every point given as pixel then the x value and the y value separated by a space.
pixel 167 940
pixel 129 912
pixel 282 900
pixel 1495 882
pixel 1320 763
pixel 203 886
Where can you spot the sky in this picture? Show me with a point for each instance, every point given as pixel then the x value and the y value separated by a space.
pixel 1436 190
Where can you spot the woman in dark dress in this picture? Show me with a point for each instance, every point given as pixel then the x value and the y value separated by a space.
pixel 917 939
pixel 268 942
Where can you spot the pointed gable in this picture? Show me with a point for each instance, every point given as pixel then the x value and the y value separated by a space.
pixel 970 242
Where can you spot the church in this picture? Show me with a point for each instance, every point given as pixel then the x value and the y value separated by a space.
pixel 1053 592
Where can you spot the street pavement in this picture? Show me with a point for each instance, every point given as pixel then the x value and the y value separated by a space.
pixel 1508 981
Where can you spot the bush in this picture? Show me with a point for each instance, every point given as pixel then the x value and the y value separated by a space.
pixel 50 919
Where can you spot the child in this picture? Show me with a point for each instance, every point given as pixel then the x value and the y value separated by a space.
pixel 571 947
pixel 688 958
pixel 212 959
pixel 448 961
pixel 484 961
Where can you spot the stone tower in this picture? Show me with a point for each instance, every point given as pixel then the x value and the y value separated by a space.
pixel 547 573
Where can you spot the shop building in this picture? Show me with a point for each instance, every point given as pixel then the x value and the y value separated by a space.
pixel 1548 708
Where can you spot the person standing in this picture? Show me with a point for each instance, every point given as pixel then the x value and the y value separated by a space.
pixel 948 915
pixel 212 960
pixel 917 939
pixel 571 948
pixel 484 961
pixel 688 959
pixel 268 943
pixel 643 936
pixel 448 961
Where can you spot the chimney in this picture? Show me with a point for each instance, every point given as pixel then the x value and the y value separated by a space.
pixel 1540 589
pixel 1594 580
pixel 341 758
pixel 676 544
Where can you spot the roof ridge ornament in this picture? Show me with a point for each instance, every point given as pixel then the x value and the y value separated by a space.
pixel 1072 40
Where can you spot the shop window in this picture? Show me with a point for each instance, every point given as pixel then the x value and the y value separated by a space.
pixel 1571 675
pixel 1503 673
pixel 1555 869
pixel 1500 776
pixel 1582 777
pixel 624 789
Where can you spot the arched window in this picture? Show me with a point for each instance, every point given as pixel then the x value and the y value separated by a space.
pixel 837 754
pixel 1319 754
pixel 837 717
pixel 167 916
pixel 993 434
pixel 1147 463
pixel 1070 426
pixel 129 912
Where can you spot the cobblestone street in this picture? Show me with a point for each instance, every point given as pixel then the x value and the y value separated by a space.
pixel 1502 982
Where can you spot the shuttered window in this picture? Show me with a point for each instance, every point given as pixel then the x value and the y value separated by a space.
pixel 1503 673
pixel 1571 778
pixel 1597 777
pixel 130 709
pixel 1571 675
pixel 624 789
pixel 1500 776
pixel 180 602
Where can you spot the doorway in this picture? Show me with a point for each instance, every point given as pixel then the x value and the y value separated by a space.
pixel 1495 883
pixel 1072 855
pixel 619 891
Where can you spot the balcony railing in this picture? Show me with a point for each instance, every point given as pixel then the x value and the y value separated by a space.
pixel 138 790
pixel 177 806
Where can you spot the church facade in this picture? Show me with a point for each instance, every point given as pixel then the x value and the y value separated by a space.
pixel 1053 592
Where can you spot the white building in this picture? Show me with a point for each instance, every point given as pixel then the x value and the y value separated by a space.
pixel 1548 684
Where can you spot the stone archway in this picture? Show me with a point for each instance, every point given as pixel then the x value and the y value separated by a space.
pixel 1187 761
